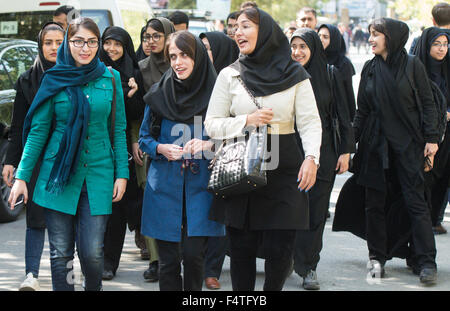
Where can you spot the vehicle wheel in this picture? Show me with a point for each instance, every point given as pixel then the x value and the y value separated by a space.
pixel 6 214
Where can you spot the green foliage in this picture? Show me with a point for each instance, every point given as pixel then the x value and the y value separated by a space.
pixel 182 4
pixel 133 22
pixel 282 11
pixel 413 9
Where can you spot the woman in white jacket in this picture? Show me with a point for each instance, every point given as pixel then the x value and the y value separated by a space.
pixel 269 216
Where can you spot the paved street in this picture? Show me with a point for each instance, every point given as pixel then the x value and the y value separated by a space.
pixel 342 265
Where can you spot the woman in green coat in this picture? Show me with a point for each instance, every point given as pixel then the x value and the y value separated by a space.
pixel 82 172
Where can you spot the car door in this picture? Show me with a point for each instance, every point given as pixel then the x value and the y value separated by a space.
pixel 13 62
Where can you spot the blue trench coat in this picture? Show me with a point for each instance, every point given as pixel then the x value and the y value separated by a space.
pixel 162 212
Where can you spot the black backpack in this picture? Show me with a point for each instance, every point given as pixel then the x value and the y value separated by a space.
pixel 438 98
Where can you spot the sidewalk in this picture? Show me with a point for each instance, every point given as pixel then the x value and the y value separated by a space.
pixel 342 266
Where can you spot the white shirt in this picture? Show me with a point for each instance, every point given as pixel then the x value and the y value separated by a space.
pixel 230 104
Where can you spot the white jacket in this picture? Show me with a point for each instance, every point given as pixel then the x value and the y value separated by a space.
pixel 230 104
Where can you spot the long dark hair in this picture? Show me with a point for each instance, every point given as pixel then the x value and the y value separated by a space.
pixel 184 40
pixel 251 13
pixel 84 22
pixel 379 25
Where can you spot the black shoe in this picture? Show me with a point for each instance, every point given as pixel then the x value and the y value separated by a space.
pixel 411 263
pixel 107 275
pixel 428 276
pixel 152 273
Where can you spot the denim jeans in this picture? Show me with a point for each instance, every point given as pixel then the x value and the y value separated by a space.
pixel 87 232
pixel 34 244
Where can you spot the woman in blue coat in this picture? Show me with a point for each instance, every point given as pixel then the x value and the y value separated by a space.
pixel 176 202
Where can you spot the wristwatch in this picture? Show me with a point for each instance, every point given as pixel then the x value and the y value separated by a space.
pixel 313 158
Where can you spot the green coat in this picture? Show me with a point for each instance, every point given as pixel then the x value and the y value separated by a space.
pixel 99 165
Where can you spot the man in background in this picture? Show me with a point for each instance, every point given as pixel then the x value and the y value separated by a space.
pixel 61 14
pixel 248 4
pixel 441 19
pixel 180 20
pixel 307 18
pixel 231 22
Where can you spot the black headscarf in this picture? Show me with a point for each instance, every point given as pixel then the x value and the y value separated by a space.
pixel 386 74
pixel 316 66
pixel 128 67
pixel 270 68
pixel 140 55
pixel 39 67
pixel 154 66
pixel 127 64
pixel 224 50
pixel 438 71
pixel 336 52
pixel 182 100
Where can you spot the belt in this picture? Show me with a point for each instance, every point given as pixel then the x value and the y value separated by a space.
pixel 281 128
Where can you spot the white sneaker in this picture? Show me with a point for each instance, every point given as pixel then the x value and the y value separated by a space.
pixel 30 283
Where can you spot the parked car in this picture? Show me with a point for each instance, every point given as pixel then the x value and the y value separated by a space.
pixel 16 56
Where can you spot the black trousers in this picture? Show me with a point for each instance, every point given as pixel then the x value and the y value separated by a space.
pixel 216 250
pixel 408 167
pixel 190 251
pixel 115 237
pixel 277 249
pixel 308 243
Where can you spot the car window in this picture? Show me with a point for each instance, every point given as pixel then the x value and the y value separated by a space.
pixel 23 25
pixel 5 83
pixel 34 51
pixel 17 60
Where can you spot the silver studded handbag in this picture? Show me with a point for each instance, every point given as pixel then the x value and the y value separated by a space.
pixel 238 164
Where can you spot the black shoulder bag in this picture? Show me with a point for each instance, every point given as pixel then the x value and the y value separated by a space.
pixel 237 166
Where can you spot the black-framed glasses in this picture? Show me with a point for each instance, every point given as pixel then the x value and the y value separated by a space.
pixel 80 43
pixel 441 45
pixel 193 166
pixel 156 37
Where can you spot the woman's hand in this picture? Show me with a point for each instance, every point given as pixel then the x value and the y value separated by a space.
pixel 307 174
pixel 430 149
pixel 120 186
pixel 8 174
pixel 343 163
pixel 260 117
pixel 138 155
pixel 19 188
pixel 134 87
pixel 171 152
pixel 196 145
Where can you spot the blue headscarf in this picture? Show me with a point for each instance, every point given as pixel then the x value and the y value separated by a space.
pixel 65 76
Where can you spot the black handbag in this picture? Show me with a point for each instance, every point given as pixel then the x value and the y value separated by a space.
pixel 238 164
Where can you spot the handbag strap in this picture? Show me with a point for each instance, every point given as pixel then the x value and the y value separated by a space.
pixel 249 93
pixel 113 109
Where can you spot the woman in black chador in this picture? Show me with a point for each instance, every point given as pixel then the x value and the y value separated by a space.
pixel 117 51
pixel 334 155
pixel 432 49
pixel 49 39
pixel 335 50
pixel 392 149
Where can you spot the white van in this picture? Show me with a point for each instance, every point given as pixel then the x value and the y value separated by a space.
pixel 23 19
